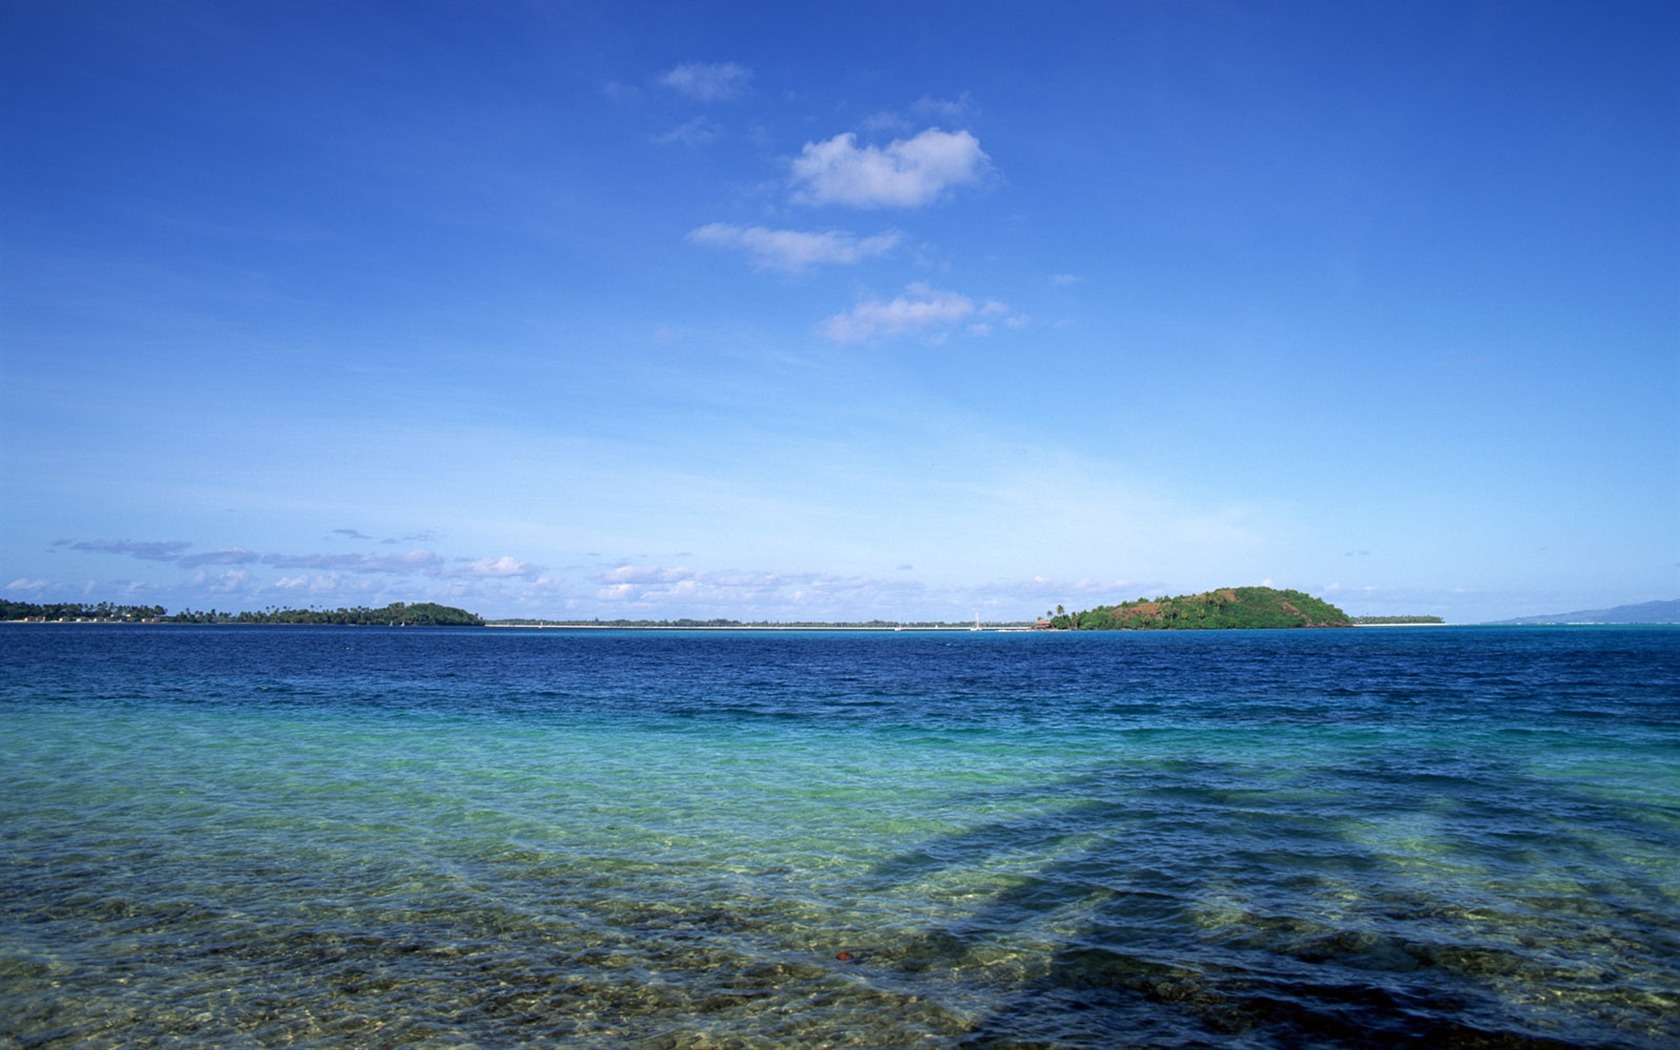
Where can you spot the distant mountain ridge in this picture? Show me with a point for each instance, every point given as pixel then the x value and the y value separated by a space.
pixel 1643 612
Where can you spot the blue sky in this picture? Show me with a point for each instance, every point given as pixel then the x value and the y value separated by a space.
pixel 839 311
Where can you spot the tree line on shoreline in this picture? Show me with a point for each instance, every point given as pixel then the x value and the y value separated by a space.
pixel 1232 607
pixel 397 614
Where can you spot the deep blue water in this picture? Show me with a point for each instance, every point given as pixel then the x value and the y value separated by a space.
pixel 1445 837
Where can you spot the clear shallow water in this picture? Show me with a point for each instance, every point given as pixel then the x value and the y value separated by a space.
pixel 364 837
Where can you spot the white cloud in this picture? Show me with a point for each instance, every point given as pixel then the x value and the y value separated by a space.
pixel 950 110
pixel 795 250
pixel 742 594
pixel 640 574
pixel 23 584
pixel 920 310
pixel 925 109
pixel 709 81
pixel 221 583
pixel 906 174
pixel 496 568
pixel 886 121
pixel 694 133
pixel 324 584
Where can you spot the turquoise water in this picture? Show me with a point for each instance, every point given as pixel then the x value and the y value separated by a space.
pixel 366 837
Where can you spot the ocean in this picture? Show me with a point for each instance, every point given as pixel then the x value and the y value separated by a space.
pixel 371 837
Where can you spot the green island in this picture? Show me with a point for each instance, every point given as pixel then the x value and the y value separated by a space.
pixel 397 614
pixel 1229 608
pixel 1395 621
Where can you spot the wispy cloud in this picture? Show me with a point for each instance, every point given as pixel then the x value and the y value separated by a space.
pixel 795 250
pixel 146 550
pixel 662 591
pixel 923 110
pixel 907 173
pixel 995 310
pixel 414 537
pixel 709 81
pixel 225 556
pixel 695 132
pixel 418 561
pixel 921 310
pixel 739 593
pixel 948 110
pixel 409 562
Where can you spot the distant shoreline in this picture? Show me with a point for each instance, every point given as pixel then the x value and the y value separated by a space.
pixel 850 628
pixel 949 628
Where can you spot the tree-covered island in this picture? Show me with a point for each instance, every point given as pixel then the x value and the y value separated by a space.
pixel 1228 608
pixel 397 614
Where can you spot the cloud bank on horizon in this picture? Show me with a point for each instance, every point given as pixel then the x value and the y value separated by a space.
pixel 616 312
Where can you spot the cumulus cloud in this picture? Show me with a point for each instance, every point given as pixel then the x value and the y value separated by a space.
pixel 795 250
pixel 496 569
pixel 906 174
pixel 920 310
pixel 709 81
pixel 227 582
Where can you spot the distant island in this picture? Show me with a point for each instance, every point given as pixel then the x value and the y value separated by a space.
pixel 1641 613
pixel 1224 609
pixel 397 614
pixel 1228 608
